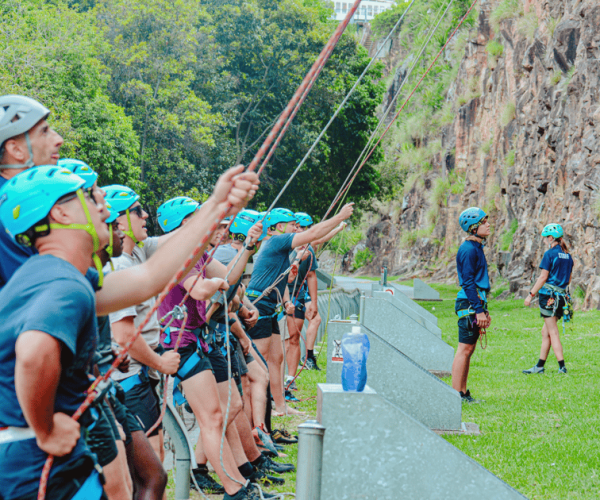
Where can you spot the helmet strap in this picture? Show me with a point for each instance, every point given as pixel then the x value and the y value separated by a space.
pixel 28 163
pixel 280 232
pixel 88 228
pixel 109 248
pixel 129 231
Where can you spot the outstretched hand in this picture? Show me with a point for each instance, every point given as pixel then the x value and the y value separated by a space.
pixel 346 211
pixel 235 187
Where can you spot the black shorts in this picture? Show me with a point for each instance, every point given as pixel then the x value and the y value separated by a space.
pixel 219 365
pixel 125 418
pixel 468 331
pixel 100 436
pixel 143 401
pixel 185 354
pixel 547 310
pixel 243 359
pixel 267 323
pixel 300 311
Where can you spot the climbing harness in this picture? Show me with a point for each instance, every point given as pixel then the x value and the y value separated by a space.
pixel 557 293
pixel 469 313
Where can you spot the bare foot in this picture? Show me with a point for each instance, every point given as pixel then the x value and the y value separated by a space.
pixel 292 411
pixel 275 413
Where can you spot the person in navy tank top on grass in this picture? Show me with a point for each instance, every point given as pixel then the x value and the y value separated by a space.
pixel 557 269
pixel 471 301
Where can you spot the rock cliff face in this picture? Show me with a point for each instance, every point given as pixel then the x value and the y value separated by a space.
pixel 525 141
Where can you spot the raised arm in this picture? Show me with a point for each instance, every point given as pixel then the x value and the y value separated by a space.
pixel 134 285
pixel 322 228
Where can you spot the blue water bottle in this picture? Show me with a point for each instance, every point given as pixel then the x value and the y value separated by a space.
pixel 355 349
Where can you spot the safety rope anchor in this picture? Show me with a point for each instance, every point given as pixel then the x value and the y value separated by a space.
pixel 179 312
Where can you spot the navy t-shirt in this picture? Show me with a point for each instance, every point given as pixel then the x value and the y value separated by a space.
pixel 50 295
pixel 471 266
pixel 270 263
pixel 559 266
pixel 12 255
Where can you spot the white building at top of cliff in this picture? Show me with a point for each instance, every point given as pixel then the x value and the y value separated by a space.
pixel 366 11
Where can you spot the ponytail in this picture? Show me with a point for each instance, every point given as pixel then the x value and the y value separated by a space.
pixel 562 244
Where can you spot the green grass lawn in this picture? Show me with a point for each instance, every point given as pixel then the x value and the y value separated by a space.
pixel 540 432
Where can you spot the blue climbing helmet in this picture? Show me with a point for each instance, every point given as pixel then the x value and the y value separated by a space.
pixel 471 217
pixel 242 224
pixel 303 219
pixel 278 215
pixel 26 201
pixel 113 214
pixel 80 168
pixel 121 199
pixel 554 230
pixel 171 213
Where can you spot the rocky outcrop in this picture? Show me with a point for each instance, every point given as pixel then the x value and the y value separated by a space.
pixel 528 148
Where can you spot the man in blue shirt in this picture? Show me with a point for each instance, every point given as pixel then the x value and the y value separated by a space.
pixel 26 140
pixel 268 285
pixel 48 332
pixel 471 301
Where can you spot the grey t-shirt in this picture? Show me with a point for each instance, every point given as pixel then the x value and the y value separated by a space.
pixel 151 331
pixel 225 254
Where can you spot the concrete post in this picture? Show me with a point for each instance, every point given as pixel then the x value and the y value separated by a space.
pixel 310 460
pixel 361 311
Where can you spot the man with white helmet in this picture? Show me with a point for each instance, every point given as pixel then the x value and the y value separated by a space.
pixel 26 140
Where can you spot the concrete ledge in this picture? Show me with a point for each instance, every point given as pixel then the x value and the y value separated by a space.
pixel 373 450
pixel 407 335
pixel 423 320
pixel 422 291
pixel 407 301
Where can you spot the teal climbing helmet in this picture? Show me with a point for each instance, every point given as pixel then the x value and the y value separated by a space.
pixel 471 216
pixel 80 168
pixel 243 222
pixel 554 230
pixel 113 214
pixel 120 197
pixel 171 213
pixel 278 215
pixel 303 219
pixel 26 200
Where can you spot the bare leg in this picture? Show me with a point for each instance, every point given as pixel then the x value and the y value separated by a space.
pixel 246 437
pixel 259 382
pixel 312 330
pixel 149 477
pixel 117 486
pixel 460 367
pixel 264 346
pixel 247 388
pixel 275 375
pixel 203 396
pixel 235 408
pixel 292 345
pixel 552 327
pixel 546 343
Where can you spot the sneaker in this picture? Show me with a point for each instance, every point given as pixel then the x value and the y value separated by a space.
pixel 242 494
pixel 267 465
pixel 281 436
pixel 260 476
pixel 562 370
pixel 205 481
pixel 467 398
pixel 263 441
pixel 290 397
pixel 254 490
pixel 290 383
pixel 535 369
pixel 311 364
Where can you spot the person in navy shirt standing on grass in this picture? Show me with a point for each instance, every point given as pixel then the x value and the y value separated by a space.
pixel 557 268
pixel 471 301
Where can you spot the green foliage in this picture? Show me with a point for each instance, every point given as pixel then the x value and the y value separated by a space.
pixel 439 192
pixel 486 147
pixel 362 258
pixel 528 24
pixel 500 287
pixel 457 182
pixel 383 23
pixel 494 48
pixel 345 241
pixel 506 238
pixel 551 24
pixel 473 91
pixel 510 157
pixel 556 77
pixel 579 293
pixel 51 53
pixel 408 239
pixel 508 113
pixel 506 9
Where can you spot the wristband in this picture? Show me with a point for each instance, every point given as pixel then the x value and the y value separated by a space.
pixel 532 294
pixel 250 248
